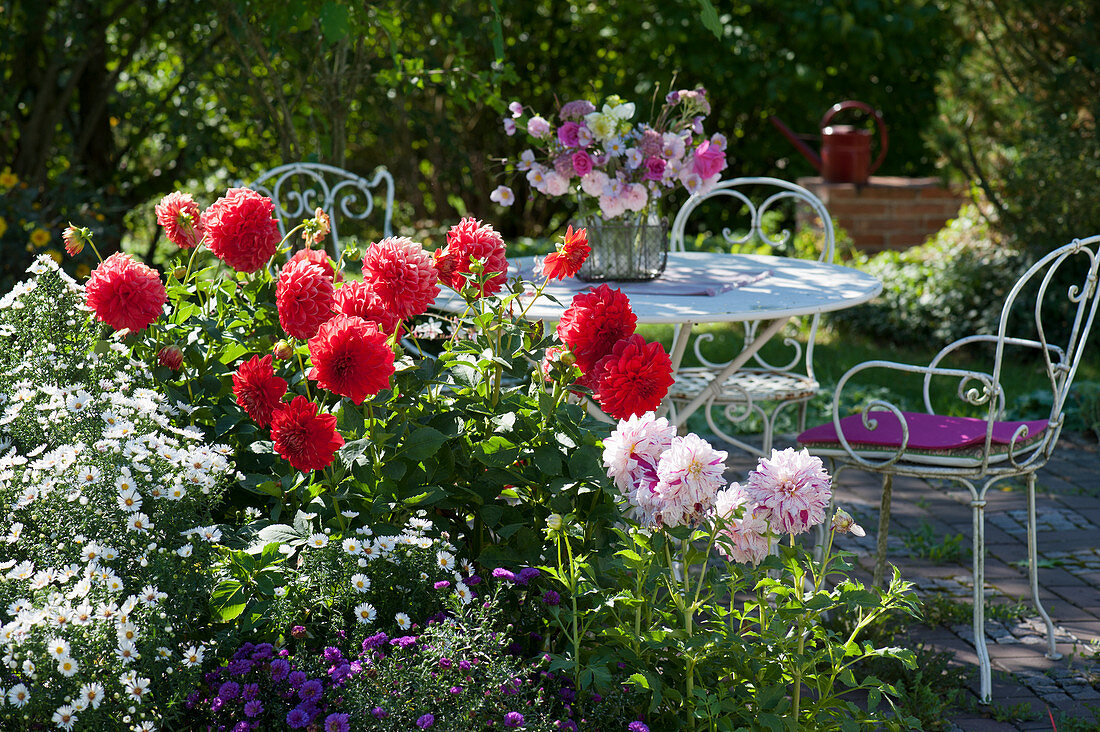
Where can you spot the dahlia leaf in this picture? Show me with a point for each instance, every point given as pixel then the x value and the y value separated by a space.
pixel 422 443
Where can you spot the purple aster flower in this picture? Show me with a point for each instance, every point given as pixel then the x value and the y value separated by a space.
pixel 333 654
pixel 445 662
pixel 455 690
pixel 242 727
pixel 442 585
pixel 280 669
pixel 297 718
pixel 311 690
pixel 502 573
pixel 379 713
pixel 229 691
pixel 513 719
pixel 375 641
pixel 637 727
pixel 211 676
pixel 472 580
pixel 425 721
pixel 250 691
pixel 570 725
pixel 464 665
pixel 529 573
pixel 297 678
pixel 551 598
pixel 263 652
pixel 239 667
pixel 339 722
pixel 217 704
pixel 404 641
pixel 253 708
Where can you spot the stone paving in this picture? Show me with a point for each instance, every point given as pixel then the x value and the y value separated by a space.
pixel 930 541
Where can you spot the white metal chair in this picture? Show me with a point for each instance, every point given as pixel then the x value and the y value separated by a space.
pixel 299 188
pixel 978 451
pixel 764 389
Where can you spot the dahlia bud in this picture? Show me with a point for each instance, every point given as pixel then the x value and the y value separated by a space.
pixel 843 523
pixel 282 351
pixel 567 357
pixel 171 357
pixel 477 266
pixel 75 238
pixel 316 229
pixel 179 273
pixel 554 522
pixel 352 253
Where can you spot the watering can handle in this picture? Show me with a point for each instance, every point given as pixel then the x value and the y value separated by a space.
pixel 879 123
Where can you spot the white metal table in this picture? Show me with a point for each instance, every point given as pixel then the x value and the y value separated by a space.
pixel 753 288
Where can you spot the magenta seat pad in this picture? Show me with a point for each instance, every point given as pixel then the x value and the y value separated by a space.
pixel 926 432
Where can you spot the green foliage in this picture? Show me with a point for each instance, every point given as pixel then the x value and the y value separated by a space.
pixel 950 287
pixel 930 691
pixel 925 543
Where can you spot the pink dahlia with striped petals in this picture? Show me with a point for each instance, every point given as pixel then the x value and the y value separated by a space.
pixel 794 488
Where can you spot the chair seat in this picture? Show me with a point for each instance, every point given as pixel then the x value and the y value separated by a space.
pixel 759 385
pixel 933 439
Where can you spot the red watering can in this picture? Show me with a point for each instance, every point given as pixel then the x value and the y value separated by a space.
pixel 845 150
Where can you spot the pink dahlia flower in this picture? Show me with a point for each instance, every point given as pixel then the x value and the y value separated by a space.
pixel 743 539
pixel 240 229
pixel 689 477
pixel 632 451
pixel 794 487
pixel 179 215
pixel 402 275
pixel 304 298
pixel 468 241
pixel 124 293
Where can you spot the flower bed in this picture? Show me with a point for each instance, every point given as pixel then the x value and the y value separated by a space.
pixel 256 495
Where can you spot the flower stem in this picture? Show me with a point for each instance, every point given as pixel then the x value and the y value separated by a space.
pixel 305 379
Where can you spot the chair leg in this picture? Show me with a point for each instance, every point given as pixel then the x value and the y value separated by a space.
pixel 1033 568
pixel 985 672
pixel 883 530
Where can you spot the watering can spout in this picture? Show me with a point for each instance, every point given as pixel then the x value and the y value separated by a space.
pixel 802 147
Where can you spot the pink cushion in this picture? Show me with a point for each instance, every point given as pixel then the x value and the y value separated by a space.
pixel 926 432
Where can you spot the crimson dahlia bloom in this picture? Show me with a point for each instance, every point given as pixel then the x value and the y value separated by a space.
pixel 304 298
pixel 351 358
pixel 357 298
pixel 594 322
pixel 318 257
pixel 402 275
pixel 305 439
pixel 569 257
pixel 240 229
pixel 258 389
pixel 633 378
pixel 124 293
pixel 179 215
pixel 470 240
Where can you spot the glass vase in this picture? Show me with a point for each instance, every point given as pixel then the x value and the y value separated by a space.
pixel 630 248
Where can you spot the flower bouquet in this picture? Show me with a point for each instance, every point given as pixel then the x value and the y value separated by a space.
pixel 619 170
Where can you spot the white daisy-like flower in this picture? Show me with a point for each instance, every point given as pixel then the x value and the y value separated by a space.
pixel 211 534
pixel 88 475
pixel 113 582
pixel 403 621
pixel 176 493
pixel 360 582
pixel 151 596
pixel 466 565
pixel 67 666
pixel 109 554
pixel 83 614
pixel 139 522
pixel 365 613
pixel 137 689
pixel 185 550
pixel 65 717
pixel 18 696
pixel 129 500
pixel 463 593
pixel 80 589
pixel 127 632
pixel 352 546
pixel 78 402
pixel 92 694
pixel 127 652
pixel 58 647
pixel 445 561
pixel 192 656
pixel 318 541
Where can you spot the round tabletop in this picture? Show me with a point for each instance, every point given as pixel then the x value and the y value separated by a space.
pixel 705 287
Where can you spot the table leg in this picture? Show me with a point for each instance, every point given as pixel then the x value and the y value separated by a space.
pixel 680 337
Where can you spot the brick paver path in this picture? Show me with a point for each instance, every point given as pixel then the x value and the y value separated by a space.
pixel 928 518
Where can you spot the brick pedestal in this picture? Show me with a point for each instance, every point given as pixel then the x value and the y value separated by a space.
pixel 888 212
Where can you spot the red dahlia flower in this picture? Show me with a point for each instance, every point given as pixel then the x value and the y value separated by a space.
pixel 124 293
pixel 306 439
pixel 304 297
pixel 258 389
pixel 633 378
pixel 350 358
pixel 240 229
pixel 594 322
pixel 179 215
pixel 357 298
pixel 401 274
pixel 318 256
pixel 469 240
pixel 569 257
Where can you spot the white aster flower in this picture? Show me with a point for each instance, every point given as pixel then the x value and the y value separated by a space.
pixel 139 522
pixel 352 546
pixel 91 694
pixel 360 582
pixel 129 500
pixel 318 541
pixel 58 647
pixel 18 696
pixel 65 717
pixel 66 666
pixel 365 613
pixel 192 656
pixel 445 561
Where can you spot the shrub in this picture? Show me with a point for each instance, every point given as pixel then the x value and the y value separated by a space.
pixel 106 521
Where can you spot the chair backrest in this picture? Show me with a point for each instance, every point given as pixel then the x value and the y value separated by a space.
pixel 755 197
pixel 1063 284
pixel 299 188
pixel 749 200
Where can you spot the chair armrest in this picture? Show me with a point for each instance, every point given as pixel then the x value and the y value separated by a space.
pixel 967 391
